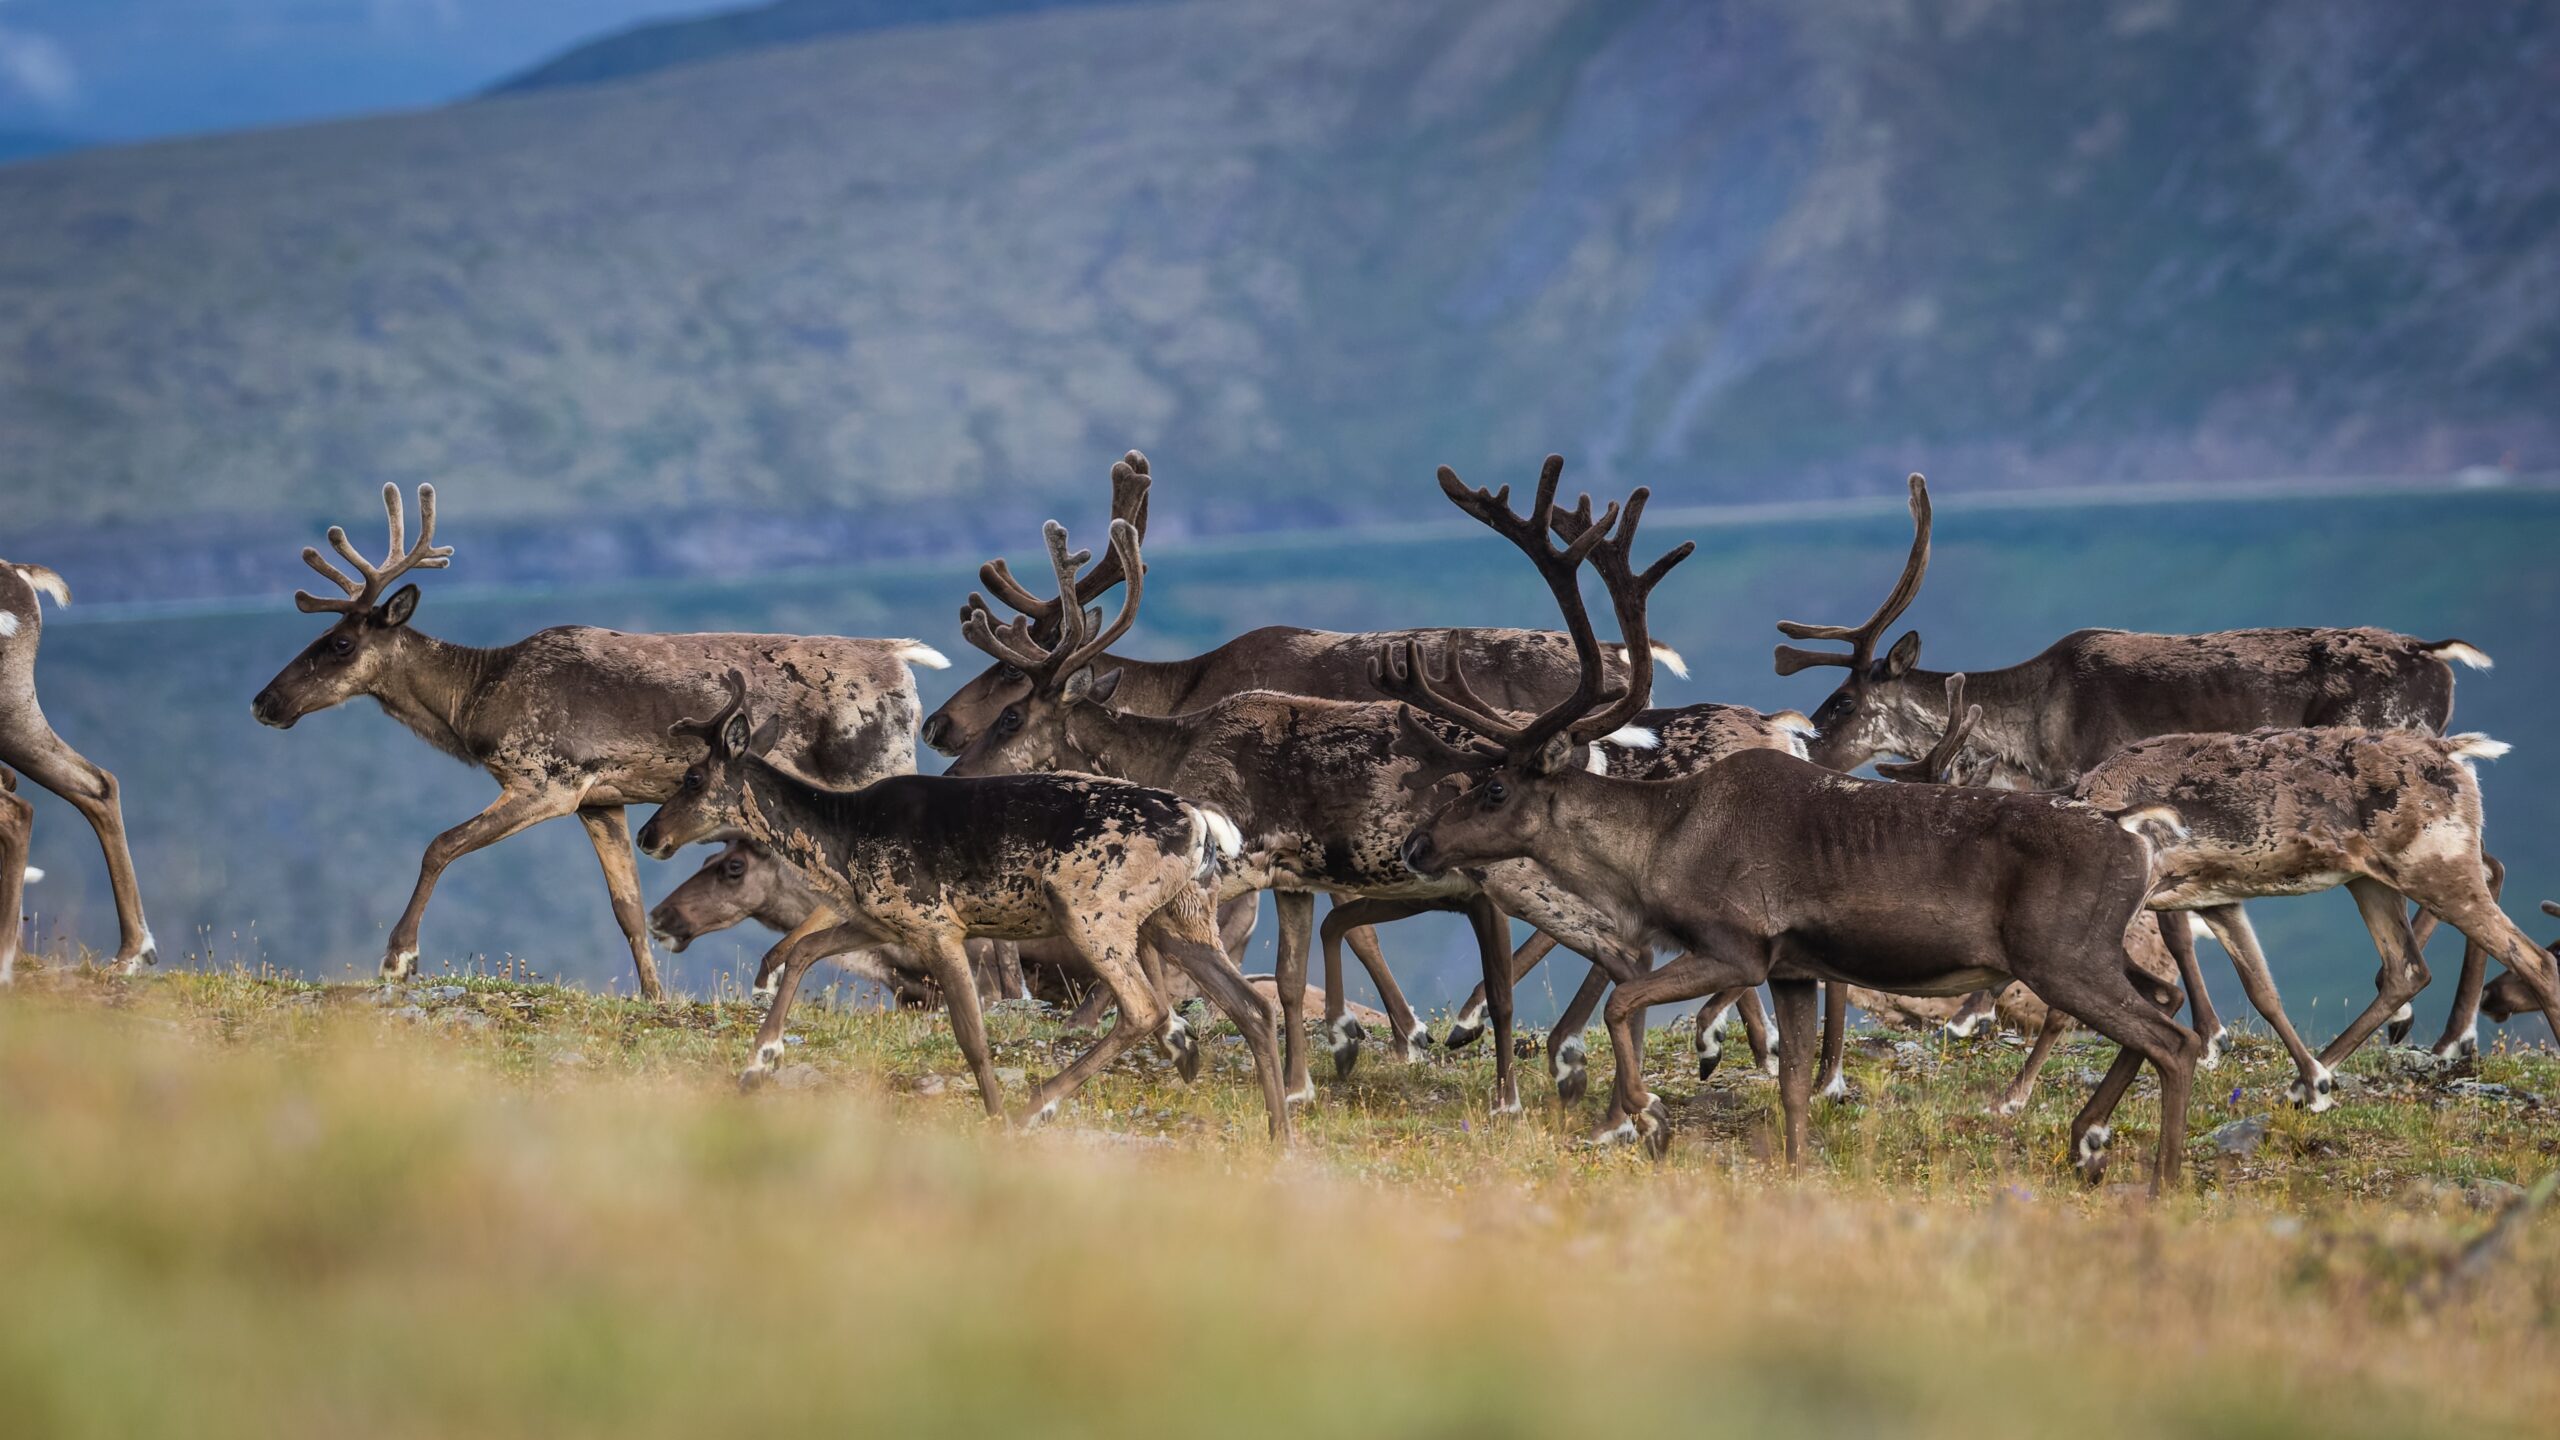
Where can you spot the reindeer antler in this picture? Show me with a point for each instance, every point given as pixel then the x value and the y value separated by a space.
pixel 1862 638
pixel 1079 637
pixel 399 558
pixel 1939 763
pixel 1595 707
pixel 708 731
pixel 1130 480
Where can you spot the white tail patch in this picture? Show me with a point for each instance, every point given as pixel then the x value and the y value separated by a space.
pixel 1663 655
pixel 1594 761
pixel 1219 831
pixel 45 582
pixel 34 874
pixel 1635 737
pixel 2152 822
pixel 916 652
pixel 2462 652
pixel 2475 746
pixel 8 624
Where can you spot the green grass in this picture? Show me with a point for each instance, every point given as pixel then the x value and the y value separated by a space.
pixel 233 1205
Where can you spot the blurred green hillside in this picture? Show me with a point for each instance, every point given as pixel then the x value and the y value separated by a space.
pixel 1301 253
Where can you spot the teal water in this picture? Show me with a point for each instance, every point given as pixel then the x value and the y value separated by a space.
pixel 297 849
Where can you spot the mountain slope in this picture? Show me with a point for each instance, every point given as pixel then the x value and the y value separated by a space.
pixel 690 40
pixel 1301 254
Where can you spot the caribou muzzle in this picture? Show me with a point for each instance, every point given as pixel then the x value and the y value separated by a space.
pixel 937 733
pixel 1418 853
pixel 273 710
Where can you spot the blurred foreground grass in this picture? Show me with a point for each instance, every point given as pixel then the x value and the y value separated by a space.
pixel 236 1206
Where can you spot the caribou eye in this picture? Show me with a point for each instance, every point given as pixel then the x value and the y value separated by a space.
pixel 1010 720
pixel 693 779
pixel 1495 792
pixel 737 869
pixel 1011 674
pixel 342 644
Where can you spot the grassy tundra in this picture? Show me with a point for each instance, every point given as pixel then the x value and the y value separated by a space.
pixel 233 1205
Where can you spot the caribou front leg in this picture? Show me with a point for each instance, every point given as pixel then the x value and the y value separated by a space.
pixel 512 812
pixel 17 819
pixel 1634 1113
pixel 1493 947
pixel 793 962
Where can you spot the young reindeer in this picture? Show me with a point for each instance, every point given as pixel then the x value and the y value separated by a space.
pixel 573 720
pixel 1529 668
pixel 2048 720
pixel 926 863
pixel 28 743
pixel 1770 868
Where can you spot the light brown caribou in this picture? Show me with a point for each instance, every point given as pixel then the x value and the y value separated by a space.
pixel 926 863
pixel 1529 667
pixel 2048 720
pixel 28 742
pixel 1765 867
pixel 573 720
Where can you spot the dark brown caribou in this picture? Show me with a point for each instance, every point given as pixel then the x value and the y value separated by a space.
pixel 29 743
pixel 2048 720
pixel 573 720
pixel 926 863
pixel 1765 867
pixel 1529 667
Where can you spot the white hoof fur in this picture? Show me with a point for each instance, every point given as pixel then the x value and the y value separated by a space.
pixel 2315 1094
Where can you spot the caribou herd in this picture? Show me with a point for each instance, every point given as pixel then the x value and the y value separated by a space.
pixel 2034 846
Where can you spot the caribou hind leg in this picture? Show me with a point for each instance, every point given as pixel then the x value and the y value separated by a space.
pixel 1833 1083
pixel 44 758
pixel 1799 1024
pixel 1111 948
pixel 17 820
pixel 2404 970
pixel 2462 1027
pixel 794 961
pixel 2177 934
pixel 1411 1034
pixel 2315 1086
pixel 609 829
pixel 1289 973
pixel 1180 931
pixel 2105 998
pixel 1469 1025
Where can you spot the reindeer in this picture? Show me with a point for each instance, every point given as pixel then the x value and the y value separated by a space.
pixel 1531 666
pixel 1771 868
pixel 1309 783
pixel 17 820
pixel 2049 720
pixel 29 744
pixel 926 863
pixel 573 720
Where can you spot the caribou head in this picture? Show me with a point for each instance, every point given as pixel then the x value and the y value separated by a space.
pixel 351 656
pixel 1516 770
pixel 981 704
pixel 1033 731
pixel 711 796
pixel 1865 717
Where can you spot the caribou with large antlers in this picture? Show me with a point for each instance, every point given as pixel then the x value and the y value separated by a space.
pixel 29 743
pixel 1770 868
pixel 2048 720
pixel 927 863
pixel 573 720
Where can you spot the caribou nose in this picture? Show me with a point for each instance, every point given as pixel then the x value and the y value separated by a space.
pixel 937 732
pixel 270 710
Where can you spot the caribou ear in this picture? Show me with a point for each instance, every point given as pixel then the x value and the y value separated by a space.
pixel 1556 756
pixel 395 612
pixel 1105 686
pixel 1904 654
pixel 736 736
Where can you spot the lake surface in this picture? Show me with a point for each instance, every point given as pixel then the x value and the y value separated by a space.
pixel 298 849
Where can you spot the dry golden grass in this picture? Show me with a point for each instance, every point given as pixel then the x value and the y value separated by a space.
pixel 234 1206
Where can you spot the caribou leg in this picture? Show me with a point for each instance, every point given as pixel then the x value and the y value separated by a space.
pixel 1635 1114
pixel 1493 945
pixel 1470 1022
pixel 1349 921
pixel 1798 1024
pixel 2177 934
pixel 2105 998
pixel 2462 1027
pixel 1289 974
pixel 1832 1084
pixel 2462 901
pixel 609 829
pixel 798 955
pixel 2023 1088
pixel 2230 925
pixel 1568 1061
pixel 44 758
pixel 1183 933
pixel 513 812
pixel 1111 948
pixel 2404 970
pixel 1411 1033
pixel 17 819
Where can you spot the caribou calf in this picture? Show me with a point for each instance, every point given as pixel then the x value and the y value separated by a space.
pixel 28 743
pixel 928 862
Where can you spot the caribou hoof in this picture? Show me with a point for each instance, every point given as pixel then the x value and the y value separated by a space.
pixel 754 1077
pixel 2214 1046
pixel 1572 1071
pixel 1303 1095
pixel 2090 1156
pixel 399 966
pixel 1770 1065
pixel 2007 1108
pixel 1653 1128
pixel 1185 1047
pixel 2315 1095
pixel 1463 1032
pixel 1838 1089
pixel 1414 1046
pixel 1347 1035
pixel 2454 1052
pixel 1034 1119
pixel 2402 1021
